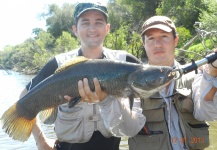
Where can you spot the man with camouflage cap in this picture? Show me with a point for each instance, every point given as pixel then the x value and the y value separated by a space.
pixel 89 125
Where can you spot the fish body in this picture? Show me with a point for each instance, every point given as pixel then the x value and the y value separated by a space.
pixel 117 78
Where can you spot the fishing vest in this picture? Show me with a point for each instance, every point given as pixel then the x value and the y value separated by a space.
pixel 77 124
pixel 156 135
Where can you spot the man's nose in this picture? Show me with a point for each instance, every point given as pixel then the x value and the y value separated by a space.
pixel 158 42
pixel 91 27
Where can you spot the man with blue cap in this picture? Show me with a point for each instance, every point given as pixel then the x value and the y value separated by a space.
pixel 91 124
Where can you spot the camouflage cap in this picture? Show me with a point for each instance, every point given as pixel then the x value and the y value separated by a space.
pixel 159 22
pixel 84 6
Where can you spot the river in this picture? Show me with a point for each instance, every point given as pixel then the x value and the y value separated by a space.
pixel 11 86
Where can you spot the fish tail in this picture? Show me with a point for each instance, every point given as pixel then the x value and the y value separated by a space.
pixel 16 126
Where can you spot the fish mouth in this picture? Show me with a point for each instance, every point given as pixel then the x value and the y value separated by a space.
pixel 150 84
pixel 148 93
pixel 164 77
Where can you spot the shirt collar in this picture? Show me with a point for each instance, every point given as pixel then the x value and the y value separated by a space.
pixel 81 54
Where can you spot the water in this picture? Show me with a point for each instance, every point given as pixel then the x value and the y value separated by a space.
pixel 10 89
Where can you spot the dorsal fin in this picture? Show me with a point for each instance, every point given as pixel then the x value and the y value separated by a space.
pixel 70 63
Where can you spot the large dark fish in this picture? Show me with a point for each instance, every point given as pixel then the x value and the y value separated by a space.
pixel 117 78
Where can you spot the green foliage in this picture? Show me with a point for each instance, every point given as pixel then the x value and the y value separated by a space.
pixel 117 39
pixel 126 18
pixel 135 46
pixel 59 19
pixel 36 31
pixel 132 13
pixel 184 36
pixel 199 51
pixel 209 16
pixel 41 58
pixel 24 55
pixel 199 48
pixel 118 13
pixel 184 12
pixel 65 43
pixel 5 57
pixel 45 40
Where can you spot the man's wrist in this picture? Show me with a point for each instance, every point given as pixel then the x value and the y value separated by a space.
pixel 39 136
pixel 105 101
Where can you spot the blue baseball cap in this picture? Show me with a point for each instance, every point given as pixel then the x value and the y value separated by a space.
pixel 85 6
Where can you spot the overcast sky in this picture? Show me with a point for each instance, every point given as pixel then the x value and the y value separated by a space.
pixel 19 17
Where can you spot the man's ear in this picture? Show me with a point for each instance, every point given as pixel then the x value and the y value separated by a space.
pixel 108 28
pixel 176 40
pixel 143 43
pixel 74 28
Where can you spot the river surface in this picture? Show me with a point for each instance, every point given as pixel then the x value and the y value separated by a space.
pixel 11 86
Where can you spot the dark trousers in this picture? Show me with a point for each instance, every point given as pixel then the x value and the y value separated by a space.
pixel 97 142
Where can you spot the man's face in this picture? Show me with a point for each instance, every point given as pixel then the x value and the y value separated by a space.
pixel 160 47
pixel 91 28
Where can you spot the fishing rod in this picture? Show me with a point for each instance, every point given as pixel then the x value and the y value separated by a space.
pixel 195 64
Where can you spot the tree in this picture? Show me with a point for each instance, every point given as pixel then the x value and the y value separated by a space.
pixel 132 13
pixel 126 18
pixel 59 19
pixel 36 31
pixel 208 17
pixel 184 12
pixel 117 39
pixel 45 40
pixel 65 43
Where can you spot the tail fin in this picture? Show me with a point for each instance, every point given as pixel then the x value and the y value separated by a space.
pixel 17 127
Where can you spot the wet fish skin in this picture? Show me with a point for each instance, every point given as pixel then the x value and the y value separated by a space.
pixel 116 78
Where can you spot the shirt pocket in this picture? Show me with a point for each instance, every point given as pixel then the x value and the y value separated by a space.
pixel 69 125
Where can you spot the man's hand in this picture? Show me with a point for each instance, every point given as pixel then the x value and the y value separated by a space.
pixel 213 67
pixel 86 94
pixel 215 62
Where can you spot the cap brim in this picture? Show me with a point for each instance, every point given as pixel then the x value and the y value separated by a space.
pixel 158 26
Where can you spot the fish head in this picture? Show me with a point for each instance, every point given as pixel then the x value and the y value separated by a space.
pixel 150 79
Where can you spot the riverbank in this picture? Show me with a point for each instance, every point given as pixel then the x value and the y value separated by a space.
pixel 26 71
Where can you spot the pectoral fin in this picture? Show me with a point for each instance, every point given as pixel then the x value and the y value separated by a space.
pixel 74 101
pixel 48 116
pixel 131 101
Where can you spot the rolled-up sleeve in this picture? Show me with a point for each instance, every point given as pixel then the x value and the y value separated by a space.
pixel 119 119
pixel 204 110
